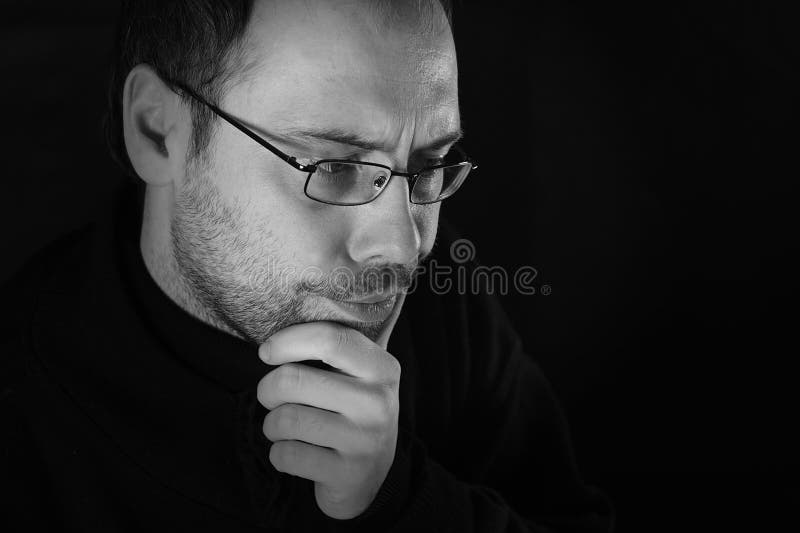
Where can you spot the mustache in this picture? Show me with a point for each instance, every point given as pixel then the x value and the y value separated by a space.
pixel 344 284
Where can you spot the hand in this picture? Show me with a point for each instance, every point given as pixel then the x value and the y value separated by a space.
pixel 336 428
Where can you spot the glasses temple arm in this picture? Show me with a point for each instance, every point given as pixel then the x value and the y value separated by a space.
pixel 241 127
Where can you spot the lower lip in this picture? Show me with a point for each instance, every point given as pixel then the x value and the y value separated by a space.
pixel 361 312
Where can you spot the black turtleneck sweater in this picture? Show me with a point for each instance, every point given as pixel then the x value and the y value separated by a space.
pixel 122 412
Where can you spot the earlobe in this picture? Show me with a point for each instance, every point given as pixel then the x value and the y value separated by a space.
pixel 149 118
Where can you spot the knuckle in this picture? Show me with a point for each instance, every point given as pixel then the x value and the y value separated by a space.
pixel 382 401
pixel 383 411
pixel 391 402
pixel 369 443
pixel 394 369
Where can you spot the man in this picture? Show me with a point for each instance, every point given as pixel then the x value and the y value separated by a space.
pixel 229 353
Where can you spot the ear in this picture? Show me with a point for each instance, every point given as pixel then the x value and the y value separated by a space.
pixel 151 126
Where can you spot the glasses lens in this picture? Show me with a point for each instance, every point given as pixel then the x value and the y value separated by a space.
pixel 341 182
pixel 347 183
pixel 439 183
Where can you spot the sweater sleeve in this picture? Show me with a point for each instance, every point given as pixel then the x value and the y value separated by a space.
pixel 507 464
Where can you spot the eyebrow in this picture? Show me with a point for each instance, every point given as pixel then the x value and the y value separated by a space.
pixel 339 136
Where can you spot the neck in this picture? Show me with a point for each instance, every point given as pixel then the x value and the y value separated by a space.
pixel 157 251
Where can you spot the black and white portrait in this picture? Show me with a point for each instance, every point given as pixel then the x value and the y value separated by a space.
pixel 399 265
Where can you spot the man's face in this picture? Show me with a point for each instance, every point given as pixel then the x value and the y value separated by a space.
pixel 255 250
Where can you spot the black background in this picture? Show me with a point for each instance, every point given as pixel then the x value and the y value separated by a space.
pixel 642 156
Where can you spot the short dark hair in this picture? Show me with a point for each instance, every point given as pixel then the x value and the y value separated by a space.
pixel 197 42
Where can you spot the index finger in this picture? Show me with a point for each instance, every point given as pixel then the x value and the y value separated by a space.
pixel 341 347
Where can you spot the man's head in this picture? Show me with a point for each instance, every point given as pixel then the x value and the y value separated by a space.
pixel 227 229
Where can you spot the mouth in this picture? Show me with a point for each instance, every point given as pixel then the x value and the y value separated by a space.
pixel 374 309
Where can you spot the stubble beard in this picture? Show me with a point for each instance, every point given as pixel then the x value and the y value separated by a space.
pixel 230 286
pixel 248 294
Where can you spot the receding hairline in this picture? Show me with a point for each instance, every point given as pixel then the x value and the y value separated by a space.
pixel 426 18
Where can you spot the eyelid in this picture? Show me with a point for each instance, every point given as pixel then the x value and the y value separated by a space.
pixel 332 154
pixel 355 156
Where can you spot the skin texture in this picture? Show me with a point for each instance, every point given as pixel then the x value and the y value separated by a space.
pixel 233 240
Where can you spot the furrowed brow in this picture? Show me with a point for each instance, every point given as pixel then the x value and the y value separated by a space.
pixel 445 140
pixel 335 135
pixel 339 136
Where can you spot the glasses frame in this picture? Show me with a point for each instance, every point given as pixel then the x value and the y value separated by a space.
pixel 411 177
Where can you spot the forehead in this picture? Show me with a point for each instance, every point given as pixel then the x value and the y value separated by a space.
pixel 341 61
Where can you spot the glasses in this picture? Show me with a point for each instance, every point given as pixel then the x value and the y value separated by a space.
pixel 347 182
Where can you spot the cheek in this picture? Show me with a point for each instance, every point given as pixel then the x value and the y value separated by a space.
pixel 308 232
pixel 321 235
pixel 274 217
pixel 234 169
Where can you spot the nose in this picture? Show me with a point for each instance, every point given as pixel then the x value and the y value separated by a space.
pixel 384 230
